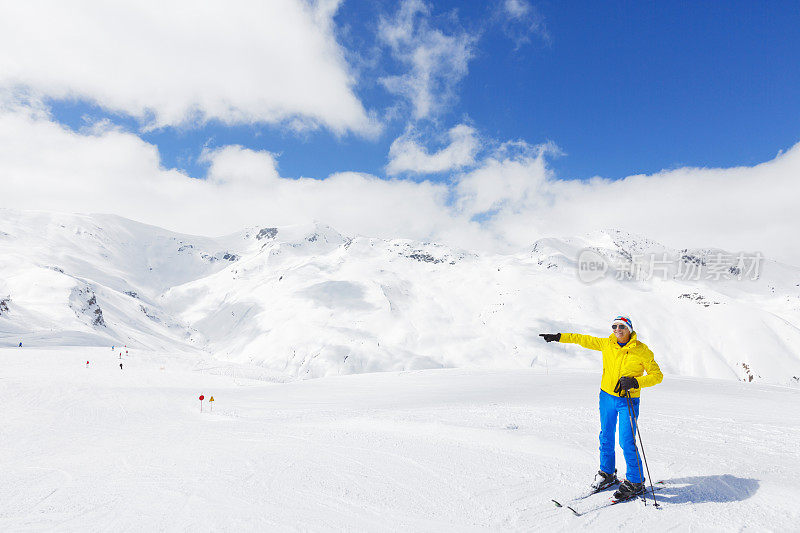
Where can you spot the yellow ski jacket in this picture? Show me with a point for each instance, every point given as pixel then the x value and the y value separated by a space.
pixel 633 360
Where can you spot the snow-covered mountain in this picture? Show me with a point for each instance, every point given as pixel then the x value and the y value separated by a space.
pixel 307 301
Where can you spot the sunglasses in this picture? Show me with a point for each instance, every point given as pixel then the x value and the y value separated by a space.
pixel 620 326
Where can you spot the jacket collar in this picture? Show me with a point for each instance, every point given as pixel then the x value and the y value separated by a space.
pixel 631 342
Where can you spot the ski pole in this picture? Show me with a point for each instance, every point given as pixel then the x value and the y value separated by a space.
pixel 635 427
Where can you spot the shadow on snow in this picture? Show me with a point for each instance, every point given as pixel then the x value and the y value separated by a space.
pixel 704 489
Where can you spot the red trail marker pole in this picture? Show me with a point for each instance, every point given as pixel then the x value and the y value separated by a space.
pixel 201 402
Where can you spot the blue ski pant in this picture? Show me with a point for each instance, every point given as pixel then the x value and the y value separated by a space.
pixel 611 408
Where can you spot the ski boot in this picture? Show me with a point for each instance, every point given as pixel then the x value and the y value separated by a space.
pixel 602 480
pixel 628 490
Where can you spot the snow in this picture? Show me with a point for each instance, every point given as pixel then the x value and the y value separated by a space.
pixel 98 448
pixel 305 301
pixel 364 384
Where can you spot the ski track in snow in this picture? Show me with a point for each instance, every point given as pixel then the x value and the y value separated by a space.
pixel 101 449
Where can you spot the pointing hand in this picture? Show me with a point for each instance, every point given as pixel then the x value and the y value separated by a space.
pixel 550 337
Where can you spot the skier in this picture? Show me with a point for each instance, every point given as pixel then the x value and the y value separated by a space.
pixel 625 361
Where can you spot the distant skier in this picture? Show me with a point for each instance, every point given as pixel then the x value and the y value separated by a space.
pixel 20 344
pixel 625 361
pixel 120 366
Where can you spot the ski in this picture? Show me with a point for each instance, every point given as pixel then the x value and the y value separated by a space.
pixel 567 503
pixel 607 503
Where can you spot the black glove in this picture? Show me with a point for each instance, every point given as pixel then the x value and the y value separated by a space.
pixel 550 337
pixel 626 383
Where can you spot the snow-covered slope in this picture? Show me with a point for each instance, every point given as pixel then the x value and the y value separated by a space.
pixel 70 279
pixel 100 448
pixel 306 301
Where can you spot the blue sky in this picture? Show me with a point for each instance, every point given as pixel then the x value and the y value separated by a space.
pixel 621 87
pixel 482 125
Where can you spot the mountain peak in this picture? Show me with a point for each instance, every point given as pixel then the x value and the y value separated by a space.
pixel 305 300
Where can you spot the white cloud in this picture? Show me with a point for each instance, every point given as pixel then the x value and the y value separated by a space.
pixel 513 193
pixel 436 62
pixel 407 155
pixel 521 20
pixel 738 209
pixel 44 165
pixel 516 8
pixel 176 62
pixel 505 181
pixel 234 164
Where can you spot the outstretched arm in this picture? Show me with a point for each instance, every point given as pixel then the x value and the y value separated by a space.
pixel 587 341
